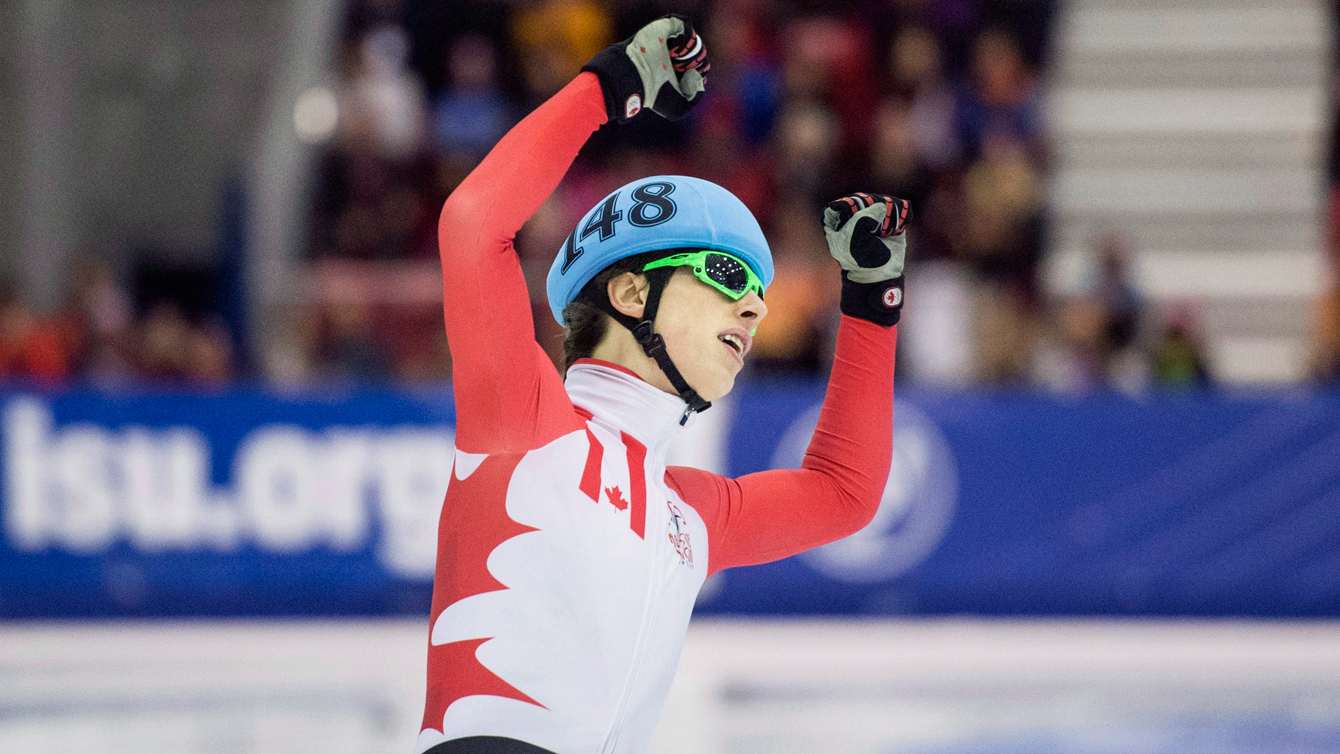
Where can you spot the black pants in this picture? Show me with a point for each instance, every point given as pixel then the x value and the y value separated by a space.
pixel 486 745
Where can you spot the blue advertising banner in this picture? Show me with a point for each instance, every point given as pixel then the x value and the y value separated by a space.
pixel 251 503
pixel 1039 505
pixel 230 504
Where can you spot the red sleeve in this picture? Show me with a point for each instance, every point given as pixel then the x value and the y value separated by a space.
pixel 770 515
pixel 508 394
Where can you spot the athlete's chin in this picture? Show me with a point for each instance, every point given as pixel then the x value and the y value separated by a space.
pixel 724 382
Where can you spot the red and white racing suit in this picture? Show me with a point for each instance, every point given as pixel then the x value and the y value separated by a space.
pixel 569 555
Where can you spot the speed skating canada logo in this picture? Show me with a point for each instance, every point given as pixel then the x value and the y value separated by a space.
pixel 679 536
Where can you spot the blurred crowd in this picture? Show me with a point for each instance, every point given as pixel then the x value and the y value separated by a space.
pixel 101 336
pixel 936 101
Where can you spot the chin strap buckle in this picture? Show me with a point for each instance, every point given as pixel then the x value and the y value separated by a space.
pixel 654 346
pixel 650 341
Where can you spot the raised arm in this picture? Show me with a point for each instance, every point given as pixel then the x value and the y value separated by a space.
pixel 508 394
pixel 770 515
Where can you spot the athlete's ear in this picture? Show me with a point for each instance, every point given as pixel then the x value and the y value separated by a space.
pixel 628 294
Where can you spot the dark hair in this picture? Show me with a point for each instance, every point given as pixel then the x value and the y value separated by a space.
pixel 584 321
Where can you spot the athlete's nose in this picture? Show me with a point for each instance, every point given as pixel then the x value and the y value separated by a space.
pixel 751 310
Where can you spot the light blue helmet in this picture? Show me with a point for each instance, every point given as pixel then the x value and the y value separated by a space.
pixel 660 212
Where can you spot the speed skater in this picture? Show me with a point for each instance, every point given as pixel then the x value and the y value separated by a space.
pixel 569 555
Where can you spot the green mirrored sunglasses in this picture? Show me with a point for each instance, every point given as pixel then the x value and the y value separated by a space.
pixel 725 272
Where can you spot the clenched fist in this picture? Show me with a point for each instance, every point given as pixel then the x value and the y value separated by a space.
pixel 865 233
pixel 663 67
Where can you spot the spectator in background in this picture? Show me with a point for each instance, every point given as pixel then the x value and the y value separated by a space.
pixel 1129 368
pixel 808 134
pixel 165 343
pixel 474 112
pixel 1325 356
pixel 828 61
pixel 30 348
pixel 745 71
pixel 723 156
pixel 173 349
pixel 1074 357
pixel 1001 98
pixel 917 119
pixel 371 201
pixel 382 104
pixel 1093 340
pixel 555 38
pixel 349 351
pixel 1179 358
pixel 99 323
pixel 953 22
pixel 916 74
pixel 896 167
pixel 998 236
pixel 212 360
pixel 1116 293
pixel 807 143
pixel 288 358
pixel 803 294
pixel 1006 332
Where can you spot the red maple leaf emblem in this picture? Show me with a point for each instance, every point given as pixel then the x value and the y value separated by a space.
pixel 474 522
pixel 616 498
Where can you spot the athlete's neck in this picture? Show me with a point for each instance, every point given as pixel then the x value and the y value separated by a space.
pixel 621 348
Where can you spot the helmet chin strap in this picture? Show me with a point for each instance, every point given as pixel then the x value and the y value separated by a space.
pixel 653 344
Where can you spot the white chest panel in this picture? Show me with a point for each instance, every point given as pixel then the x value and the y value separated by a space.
pixel 593 618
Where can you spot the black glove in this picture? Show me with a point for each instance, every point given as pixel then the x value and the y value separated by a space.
pixel 865 234
pixel 662 67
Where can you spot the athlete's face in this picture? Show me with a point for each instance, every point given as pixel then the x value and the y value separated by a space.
pixel 706 333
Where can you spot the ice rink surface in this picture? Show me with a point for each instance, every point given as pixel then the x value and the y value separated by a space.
pixel 748 687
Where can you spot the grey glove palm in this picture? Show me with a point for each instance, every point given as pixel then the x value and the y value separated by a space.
pixel 662 67
pixel 866 234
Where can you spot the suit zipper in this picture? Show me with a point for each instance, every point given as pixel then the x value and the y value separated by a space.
pixel 653 592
